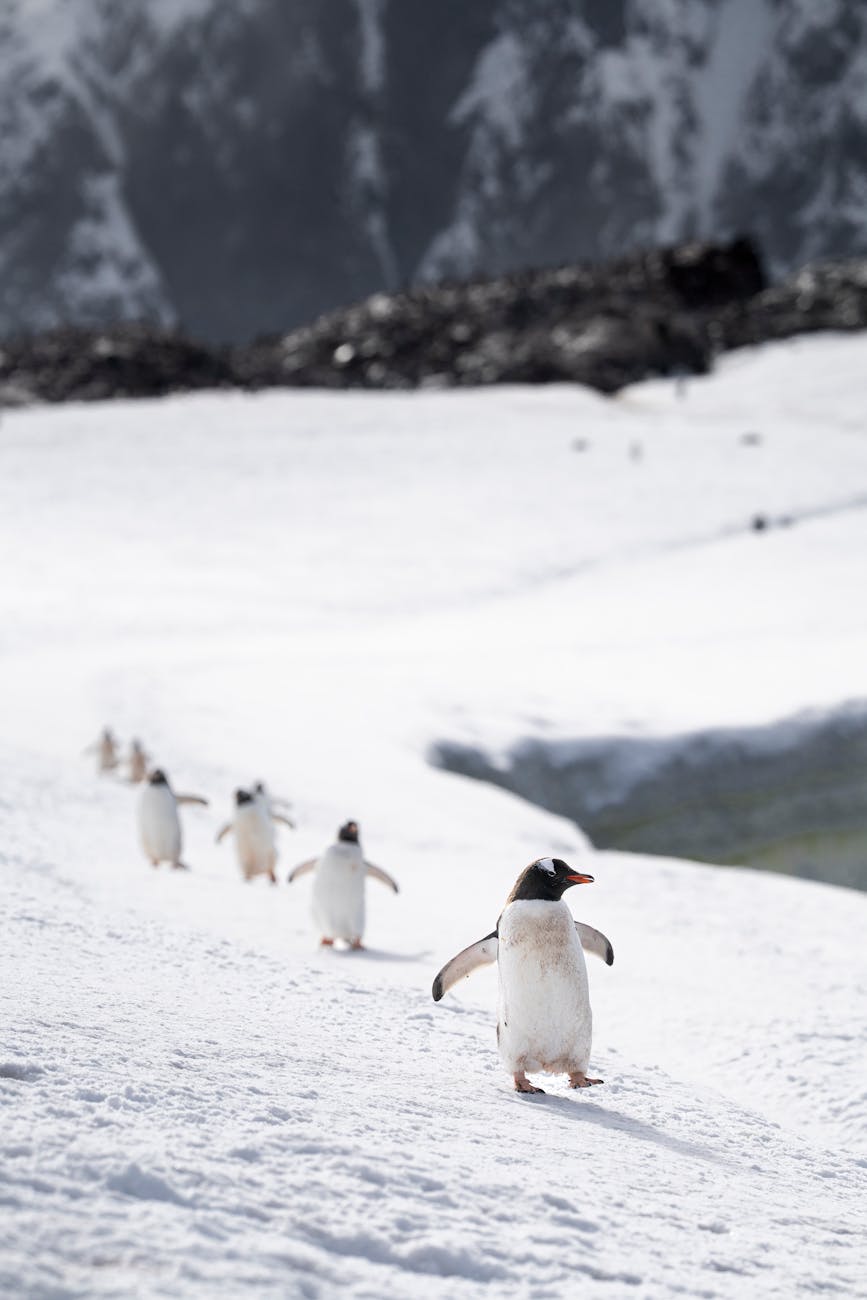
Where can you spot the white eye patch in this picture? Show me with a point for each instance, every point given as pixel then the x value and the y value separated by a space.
pixel 547 864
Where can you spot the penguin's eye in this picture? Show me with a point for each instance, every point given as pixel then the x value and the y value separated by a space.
pixel 546 865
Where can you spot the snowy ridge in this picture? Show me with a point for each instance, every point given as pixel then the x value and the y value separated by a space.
pixel 535 137
pixel 311 589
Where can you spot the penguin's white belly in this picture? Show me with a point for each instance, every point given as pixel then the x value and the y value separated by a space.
pixel 254 841
pixel 338 893
pixel 545 1022
pixel 159 824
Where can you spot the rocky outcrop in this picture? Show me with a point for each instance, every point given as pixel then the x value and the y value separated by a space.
pixel 667 312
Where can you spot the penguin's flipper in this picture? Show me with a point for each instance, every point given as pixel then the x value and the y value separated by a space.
pixel 191 798
pixel 482 953
pixel 301 870
pixel 379 874
pixel 223 832
pixel 278 817
pixel 594 941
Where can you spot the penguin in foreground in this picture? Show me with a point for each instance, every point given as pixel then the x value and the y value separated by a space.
pixel 255 843
pixel 338 888
pixel 544 1020
pixel 158 821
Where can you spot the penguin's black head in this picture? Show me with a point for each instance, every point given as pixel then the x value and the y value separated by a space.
pixel 547 879
pixel 158 777
pixel 242 797
pixel 348 833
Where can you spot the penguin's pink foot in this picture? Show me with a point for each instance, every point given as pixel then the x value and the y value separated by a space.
pixel 578 1079
pixel 326 943
pixel 180 866
pixel 272 877
pixel 356 945
pixel 523 1084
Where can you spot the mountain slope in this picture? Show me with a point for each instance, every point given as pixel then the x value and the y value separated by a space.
pixel 240 171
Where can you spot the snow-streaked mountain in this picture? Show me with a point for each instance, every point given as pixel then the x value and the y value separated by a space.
pixel 311 589
pixel 240 168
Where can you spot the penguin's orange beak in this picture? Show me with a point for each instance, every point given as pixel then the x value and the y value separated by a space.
pixel 579 879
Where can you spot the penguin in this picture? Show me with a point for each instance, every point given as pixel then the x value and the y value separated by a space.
pixel 338 888
pixel 106 751
pixel 138 762
pixel 255 843
pixel 544 1022
pixel 276 808
pixel 158 822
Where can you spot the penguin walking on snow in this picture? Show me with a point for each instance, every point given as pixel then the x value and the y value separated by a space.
pixel 544 1020
pixel 106 751
pixel 138 760
pixel 255 842
pixel 338 888
pixel 158 821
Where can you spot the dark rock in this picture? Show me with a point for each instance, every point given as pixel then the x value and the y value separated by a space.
pixel 662 313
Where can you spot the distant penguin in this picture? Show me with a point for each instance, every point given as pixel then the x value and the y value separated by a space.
pixel 158 821
pixel 544 1018
pixel 338 888
pixel 255 842
pixel 272 805
pixel 138 762
pixel 106 751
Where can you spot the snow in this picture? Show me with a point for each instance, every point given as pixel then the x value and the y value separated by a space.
pixel 312 589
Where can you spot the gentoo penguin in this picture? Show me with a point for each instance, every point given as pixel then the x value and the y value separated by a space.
pixel 255 843
pixel 158 821
pixel 106 751
pixel 273 805
pixel 138 762
pixel 338 888
pixel 544 1021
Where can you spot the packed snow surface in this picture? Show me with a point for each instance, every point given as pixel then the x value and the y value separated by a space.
pixel 195 1100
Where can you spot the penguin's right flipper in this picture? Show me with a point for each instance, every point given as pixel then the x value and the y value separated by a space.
pixel 301 870
pixel 594 941
pixel 223 832
pixel 286 821
pixel 482 953
pixel 191 798
pixel 379 874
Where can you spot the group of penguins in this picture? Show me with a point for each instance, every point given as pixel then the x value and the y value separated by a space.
pixel 544 1020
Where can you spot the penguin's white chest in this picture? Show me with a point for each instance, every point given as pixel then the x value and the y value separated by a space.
pixel 159 824
pixel 544 1021
pixel 254 840
pixel 338 892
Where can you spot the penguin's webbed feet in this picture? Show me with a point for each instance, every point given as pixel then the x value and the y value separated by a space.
pixel 523 1084
pixel 578 1079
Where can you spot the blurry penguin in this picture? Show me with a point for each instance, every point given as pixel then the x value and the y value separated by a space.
pixel 255 843
pixel 338 888
pixel 544 1018
pixel 158 821
pixel 138 761
pixel 106 751
pixel 272 805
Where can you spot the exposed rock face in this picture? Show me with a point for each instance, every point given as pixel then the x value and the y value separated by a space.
pixel 239 169
pixel 663 313
pixel 790 797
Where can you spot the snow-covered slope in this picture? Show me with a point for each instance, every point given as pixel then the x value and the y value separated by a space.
pixel 241 168
pixel 312 589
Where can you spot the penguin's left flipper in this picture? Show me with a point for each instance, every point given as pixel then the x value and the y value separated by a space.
pixel 191 798
pixel 278 817
pixel 223 832
pixel 379 874
pixel 301 870
pixel 482 953
pixel 594 941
